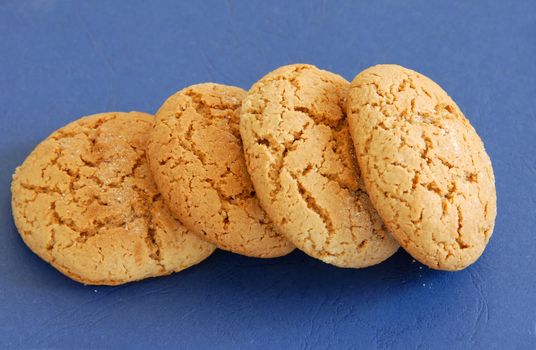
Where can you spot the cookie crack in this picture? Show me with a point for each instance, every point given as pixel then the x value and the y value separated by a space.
pixel 152 243
pixel 459 238
pixel 323 214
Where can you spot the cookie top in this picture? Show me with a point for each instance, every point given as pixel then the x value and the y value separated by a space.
pixel 196 156
pixel 84 201
pixel 300 158
pixel 424 166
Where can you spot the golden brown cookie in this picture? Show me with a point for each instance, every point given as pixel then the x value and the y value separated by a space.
pixel 84 201
pixel 196 156
pixel 300 158
pixel 424 166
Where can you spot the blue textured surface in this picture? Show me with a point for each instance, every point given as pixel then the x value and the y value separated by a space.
pixel 61 60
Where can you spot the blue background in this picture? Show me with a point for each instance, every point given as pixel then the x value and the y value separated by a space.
pixel 63 59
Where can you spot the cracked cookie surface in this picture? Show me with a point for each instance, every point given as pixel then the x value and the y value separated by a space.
pixel 196 156
pixel 300 157
pixel 84 201
pixel 424 166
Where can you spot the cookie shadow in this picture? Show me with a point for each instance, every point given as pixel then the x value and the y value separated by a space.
pixel 298 275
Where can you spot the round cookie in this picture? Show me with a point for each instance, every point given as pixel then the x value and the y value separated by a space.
pixel 300 158
pixel 196 156
pixel 424 166
pixel 84 201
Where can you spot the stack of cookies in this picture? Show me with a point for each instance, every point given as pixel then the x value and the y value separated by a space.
pixel 345 172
